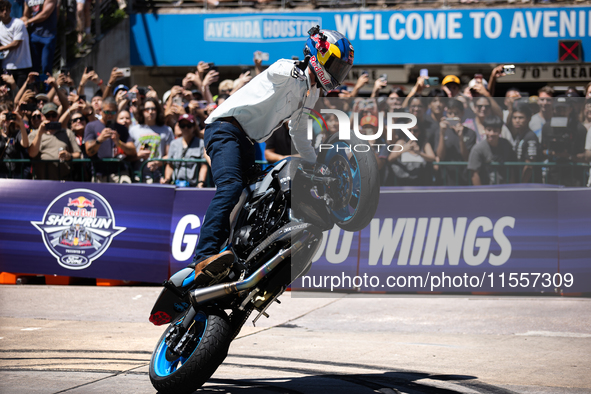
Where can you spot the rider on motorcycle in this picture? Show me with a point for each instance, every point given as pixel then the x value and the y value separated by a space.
pixel 283 91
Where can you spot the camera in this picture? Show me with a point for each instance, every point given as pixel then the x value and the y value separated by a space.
pixel 142 91
pixel 10 116
pixel 212 67
pixel 110 124
pixel 452 121
pixel 384 77
pixel 178 100
pixel 509 69
pixel 131 96
pixel 432 81
pixel 53 126
pixel 126 72
pixel 27 107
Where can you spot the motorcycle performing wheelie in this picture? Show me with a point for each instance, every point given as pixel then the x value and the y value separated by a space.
pixel 277 224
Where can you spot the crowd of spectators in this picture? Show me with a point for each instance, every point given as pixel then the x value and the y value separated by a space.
pixel 464 136
pixel 120 131
pixel 133 134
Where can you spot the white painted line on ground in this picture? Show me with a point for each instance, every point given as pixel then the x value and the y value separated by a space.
pixel 554 334
pixel 31 329
pixel 137 297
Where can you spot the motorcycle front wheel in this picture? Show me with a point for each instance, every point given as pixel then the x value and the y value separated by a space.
pixel 209 337
pixel 357 193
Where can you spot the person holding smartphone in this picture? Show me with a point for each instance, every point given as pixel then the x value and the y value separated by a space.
pixel 152 138
pixel 52 142
pixel 454 143
pixel 104 138
pixel 14 142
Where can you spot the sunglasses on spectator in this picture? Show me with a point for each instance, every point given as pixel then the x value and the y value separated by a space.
pixel 185 125
pixel 36 117
pixel 485 106
pixel 76 120
pixel 51 115
pixel 150 109
pixel 110 112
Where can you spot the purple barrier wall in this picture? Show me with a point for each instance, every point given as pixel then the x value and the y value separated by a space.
pixel 85 229
pixel 188 213
pixel 496 237
pixel 516 239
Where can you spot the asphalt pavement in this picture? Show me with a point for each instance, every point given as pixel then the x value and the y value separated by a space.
pixel 85 339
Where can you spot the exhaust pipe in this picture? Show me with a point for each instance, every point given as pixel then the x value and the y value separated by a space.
pixel 200 296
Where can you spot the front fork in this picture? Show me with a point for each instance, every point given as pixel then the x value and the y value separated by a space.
pixel 179 338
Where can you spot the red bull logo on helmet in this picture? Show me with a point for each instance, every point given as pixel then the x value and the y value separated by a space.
pixel 319 71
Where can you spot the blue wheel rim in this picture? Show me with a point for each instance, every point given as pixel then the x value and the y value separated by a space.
pixel 346 213
pixel 163 367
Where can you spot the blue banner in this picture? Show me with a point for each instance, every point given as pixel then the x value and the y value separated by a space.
pixel 488 35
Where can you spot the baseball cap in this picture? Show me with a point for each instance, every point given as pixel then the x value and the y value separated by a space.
pixel 118 88
pixel 187 117
pixel 369 120
pixel 226 84
pixel 562 101
pixel 42 96
pixel 49 107
pixel 165 96
pixel 450 79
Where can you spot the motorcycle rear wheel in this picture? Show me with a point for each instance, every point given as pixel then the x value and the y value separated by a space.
pixel 177 375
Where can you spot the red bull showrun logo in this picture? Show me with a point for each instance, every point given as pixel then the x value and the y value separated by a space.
pixel 78 227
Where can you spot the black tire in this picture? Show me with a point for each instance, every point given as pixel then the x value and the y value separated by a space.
pixel 210 352
pixel 362 202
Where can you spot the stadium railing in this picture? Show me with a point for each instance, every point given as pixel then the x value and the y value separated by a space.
pixel 542 172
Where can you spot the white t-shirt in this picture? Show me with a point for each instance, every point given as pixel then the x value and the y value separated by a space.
pixel 277 94
pixel 17 58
